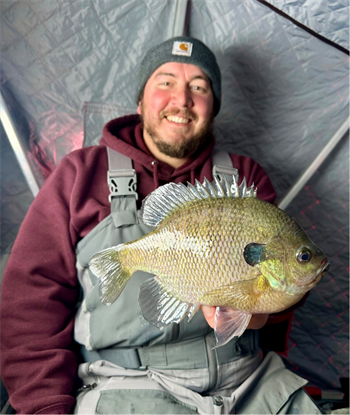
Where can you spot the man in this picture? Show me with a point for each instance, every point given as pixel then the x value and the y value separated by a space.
pixel 48 293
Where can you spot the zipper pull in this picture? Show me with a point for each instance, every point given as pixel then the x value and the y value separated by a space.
pixel 87 387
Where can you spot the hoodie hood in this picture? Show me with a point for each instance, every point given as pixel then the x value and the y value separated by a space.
pixel 125 136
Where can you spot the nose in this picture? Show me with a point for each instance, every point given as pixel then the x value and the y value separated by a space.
pixel 182 97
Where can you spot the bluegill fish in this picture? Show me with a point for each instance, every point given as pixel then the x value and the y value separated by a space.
pixel 214 244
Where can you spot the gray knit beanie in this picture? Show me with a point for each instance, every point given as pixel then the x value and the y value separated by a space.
pixel 184 50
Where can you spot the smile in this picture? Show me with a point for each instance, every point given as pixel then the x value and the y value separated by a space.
pixel 178 120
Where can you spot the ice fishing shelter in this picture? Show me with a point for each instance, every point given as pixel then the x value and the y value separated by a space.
pixel 67 67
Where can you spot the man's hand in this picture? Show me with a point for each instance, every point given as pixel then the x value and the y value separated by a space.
pixel 256 322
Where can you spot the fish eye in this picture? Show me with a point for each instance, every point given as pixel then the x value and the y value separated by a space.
pixel 303 255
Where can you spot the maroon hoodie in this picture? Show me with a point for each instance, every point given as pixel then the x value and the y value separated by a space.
pixel 40 287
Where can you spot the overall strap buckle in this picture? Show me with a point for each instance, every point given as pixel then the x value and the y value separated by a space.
pixel 121 176
pixel 122 182
pixel 222 166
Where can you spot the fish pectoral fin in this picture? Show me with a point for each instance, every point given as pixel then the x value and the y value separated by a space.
pixel 106 266
pixel 159 307
pixel 236 293
pixel 229 323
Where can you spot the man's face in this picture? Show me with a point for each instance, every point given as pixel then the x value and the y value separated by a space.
pixel 177 109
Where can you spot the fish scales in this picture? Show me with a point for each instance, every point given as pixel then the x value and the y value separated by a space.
pixel 200 246
pixel 236 253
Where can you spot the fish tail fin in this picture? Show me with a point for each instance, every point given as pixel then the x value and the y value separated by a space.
pixel 106 266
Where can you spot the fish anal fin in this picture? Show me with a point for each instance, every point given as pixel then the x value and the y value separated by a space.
pixel 192 311
pixel 160 307
pixel 229 323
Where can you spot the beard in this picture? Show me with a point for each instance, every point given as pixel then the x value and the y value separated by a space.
pixel 184 146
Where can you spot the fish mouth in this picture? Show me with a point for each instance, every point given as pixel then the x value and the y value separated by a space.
pixel 324 267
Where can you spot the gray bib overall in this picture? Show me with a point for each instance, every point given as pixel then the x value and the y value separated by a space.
pixel 133 367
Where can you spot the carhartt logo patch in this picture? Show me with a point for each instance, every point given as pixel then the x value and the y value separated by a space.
pixel 182 48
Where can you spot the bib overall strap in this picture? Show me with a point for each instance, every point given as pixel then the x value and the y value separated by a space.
pixel 222 165
pixel 122 183
pixel 190 354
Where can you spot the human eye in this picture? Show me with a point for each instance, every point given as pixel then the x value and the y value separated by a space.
pixel 164 83
pixel 200 86
pixel 200 89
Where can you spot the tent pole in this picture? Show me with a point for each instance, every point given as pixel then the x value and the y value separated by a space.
pixel 308 173
pixel 15 141
pixel 180 18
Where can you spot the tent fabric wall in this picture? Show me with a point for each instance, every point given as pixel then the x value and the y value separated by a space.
pixel 285 93
pixel 327 18
pixel 319 340
pixel 15 199
pixel 57 54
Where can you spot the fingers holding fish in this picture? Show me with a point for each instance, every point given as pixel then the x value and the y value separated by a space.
pixel 256 322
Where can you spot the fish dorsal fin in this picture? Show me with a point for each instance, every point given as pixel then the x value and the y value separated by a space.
pixel 209 188
pixel 166 199
pixel 163 201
